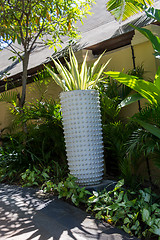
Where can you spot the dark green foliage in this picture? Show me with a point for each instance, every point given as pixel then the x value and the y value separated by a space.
pixel 111 94
pixel 138 71
pixel 115 132
pixel 149 114
pixel 141 146
pixel 116 135
pixel 42 148
pixel 137 213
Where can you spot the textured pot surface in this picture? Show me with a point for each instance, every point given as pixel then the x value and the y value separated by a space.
pixel 83 135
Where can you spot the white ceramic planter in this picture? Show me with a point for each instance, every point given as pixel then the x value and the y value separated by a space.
pixel 83 135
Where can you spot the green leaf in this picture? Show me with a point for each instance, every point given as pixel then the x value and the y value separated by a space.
pixel 45 175
pixel 155 230
pixel 154 206
pixel 74 200
pixel 127 230
pixel 119 185
pixel 150 221
pixel 147 89
pixel 126 220
pixel 145 215
pixel 120 197
pixel 157 78
pixel 114 206
pixel 152 12
pixel 124 9
pixel 130 99
pixel 150 128
pixel 81 195
pixel 19 39
pixel 9 97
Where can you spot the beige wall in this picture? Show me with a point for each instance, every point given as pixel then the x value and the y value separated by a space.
pixel 49 91
pixel 144 55
pixel 33 92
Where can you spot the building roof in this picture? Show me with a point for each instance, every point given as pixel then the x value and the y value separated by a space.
pixel 99 31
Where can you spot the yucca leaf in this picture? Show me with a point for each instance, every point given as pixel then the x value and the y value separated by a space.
pixel 63 73
pixel 71 79
pixel 94 67
pixel 68 64
pixel 73 86
pixel 83 73
pixel 74 68
pixel 56 78
pixel 100 73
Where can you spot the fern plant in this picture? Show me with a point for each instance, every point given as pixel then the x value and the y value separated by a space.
pixel 9 97
pixel 71 78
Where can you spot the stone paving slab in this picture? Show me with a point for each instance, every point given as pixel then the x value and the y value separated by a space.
pixel 25 216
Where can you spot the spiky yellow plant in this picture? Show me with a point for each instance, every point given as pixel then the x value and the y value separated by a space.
pixel 74 78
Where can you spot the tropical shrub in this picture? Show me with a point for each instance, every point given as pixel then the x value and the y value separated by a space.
pixel 41 147
pixel 115 131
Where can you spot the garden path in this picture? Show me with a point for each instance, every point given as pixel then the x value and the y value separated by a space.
pixel 25 215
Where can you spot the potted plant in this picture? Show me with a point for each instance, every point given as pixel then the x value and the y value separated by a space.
pixel 81 118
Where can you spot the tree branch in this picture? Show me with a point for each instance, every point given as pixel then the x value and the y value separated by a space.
pixel 36 37
pixel 14 50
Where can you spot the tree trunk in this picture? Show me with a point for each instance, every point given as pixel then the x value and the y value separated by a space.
pixel 24 83
pixel 24 79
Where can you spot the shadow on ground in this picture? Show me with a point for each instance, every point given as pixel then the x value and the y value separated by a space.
pixel 24 216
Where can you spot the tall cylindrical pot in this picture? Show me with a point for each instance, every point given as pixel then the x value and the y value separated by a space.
pixel 83 135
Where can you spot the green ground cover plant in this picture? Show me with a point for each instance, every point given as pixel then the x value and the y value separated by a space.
pixel 68 189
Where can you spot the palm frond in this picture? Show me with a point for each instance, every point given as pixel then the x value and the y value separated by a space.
pixel 124 9
pixel 147 89
pixel 9 97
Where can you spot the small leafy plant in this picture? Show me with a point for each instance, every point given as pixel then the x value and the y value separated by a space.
pixel 34 177
pixel 137 214
pixel 68 189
